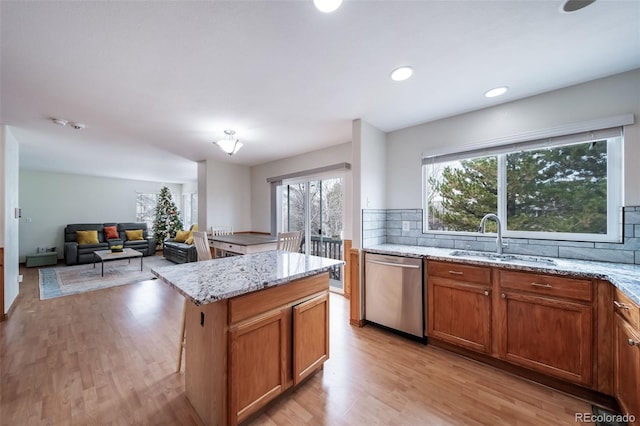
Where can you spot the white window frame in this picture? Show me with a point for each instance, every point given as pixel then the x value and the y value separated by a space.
pixel 615 146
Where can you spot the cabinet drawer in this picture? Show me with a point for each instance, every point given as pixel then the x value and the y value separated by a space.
pixel 252 304
pixel 624 306
pixel 459 272
pixel 548 285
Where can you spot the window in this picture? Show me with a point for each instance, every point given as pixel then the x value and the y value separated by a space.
pixel 189 210
pixel 565 188
pixel 145 209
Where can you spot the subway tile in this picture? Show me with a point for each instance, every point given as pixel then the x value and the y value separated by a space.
pixel 632 218
pixel 532 250
pixel 412 241
pixel 412 216
pixel 629 244
pixel 394 224
pixel 584 244
pixel 394 231
pixel 394 216
pixel 436 243
pixel 601 255
pixel 629 231
pixel 456 237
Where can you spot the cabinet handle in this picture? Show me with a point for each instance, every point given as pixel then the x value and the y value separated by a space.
pixel 620 305
pixel 632 342
pixel 486 292
pixel 456 272
pixel 504 296
pixel 541 285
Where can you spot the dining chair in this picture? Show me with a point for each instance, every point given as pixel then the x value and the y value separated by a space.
pixel 204 253
pixel 289 241
pixel 220 230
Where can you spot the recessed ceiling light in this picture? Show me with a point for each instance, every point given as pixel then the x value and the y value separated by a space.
pixel 401 74
pixel 496 92
pixel 327 6
pixel 574 5
pixel 59 121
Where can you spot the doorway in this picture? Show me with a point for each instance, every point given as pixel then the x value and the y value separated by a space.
pixel 315 206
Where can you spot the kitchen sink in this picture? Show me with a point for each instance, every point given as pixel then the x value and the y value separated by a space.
pixel 503 257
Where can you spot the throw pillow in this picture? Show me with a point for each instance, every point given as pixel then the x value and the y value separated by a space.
pixel 181 236
pixel 134 235
pixel 110 232
pixel 194 227
pixel 189 240
pixel 87 237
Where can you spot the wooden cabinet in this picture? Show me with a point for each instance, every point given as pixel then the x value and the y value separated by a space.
pixel 459 304
pixel 243 352
pixel 545 323
pixel 257 363
pixel 627 355
pixel 310 336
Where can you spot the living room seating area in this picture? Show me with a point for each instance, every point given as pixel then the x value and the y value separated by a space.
pixel 82 239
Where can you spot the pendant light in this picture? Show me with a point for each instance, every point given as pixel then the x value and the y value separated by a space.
pixel 229 144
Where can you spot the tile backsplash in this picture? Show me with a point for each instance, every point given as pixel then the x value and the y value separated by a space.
pixel 404 226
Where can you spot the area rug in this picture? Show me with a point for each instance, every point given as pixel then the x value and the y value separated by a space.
pixel 67 280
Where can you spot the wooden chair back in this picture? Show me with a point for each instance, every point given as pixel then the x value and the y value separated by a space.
pixel 202 245
pixel 289 241
pixel 221 230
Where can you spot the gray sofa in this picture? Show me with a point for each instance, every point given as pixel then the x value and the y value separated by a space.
pixel 75 253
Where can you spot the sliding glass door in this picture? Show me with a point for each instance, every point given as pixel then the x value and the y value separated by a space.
pixel 315 206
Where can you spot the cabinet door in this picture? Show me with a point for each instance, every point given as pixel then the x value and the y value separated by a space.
pixel 310 336
pixel 554 337
pixel 627 367
pixel 459 313
pixel 257 367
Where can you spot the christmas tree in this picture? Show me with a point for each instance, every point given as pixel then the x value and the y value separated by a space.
pixel 167 218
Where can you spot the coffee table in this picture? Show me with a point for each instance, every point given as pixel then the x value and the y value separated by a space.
pixel 107 255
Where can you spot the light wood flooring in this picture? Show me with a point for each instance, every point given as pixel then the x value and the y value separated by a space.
pixel 108 357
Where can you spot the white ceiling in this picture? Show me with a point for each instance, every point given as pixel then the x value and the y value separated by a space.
pixel 156 82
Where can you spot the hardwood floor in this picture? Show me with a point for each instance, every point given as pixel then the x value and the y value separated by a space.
pixel 108 357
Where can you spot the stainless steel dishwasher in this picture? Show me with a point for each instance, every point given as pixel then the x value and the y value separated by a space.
pixel 394 293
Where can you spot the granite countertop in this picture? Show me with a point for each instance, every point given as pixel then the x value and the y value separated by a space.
pixel 244 239
pixel 626 277
pixel 217 279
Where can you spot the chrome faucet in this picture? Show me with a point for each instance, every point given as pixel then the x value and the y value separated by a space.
pixel 499 244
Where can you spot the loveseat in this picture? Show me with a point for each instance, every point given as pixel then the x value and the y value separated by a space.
pixel 79 246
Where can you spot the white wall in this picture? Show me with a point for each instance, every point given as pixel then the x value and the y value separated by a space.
pixel 607 97
pixel 50 201
pixel 261 190
pixel 228 195
pixel 9 199
pixel 373 167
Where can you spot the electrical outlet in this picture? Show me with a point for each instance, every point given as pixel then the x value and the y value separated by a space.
pixel 406 226
pixel 19 278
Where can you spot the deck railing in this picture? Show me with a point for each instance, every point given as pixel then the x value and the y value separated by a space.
pixel 327 247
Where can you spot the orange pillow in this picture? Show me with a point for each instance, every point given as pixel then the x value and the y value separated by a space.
pixel 110 232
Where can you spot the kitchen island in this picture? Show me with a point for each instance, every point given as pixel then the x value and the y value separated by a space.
pixel 256 325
